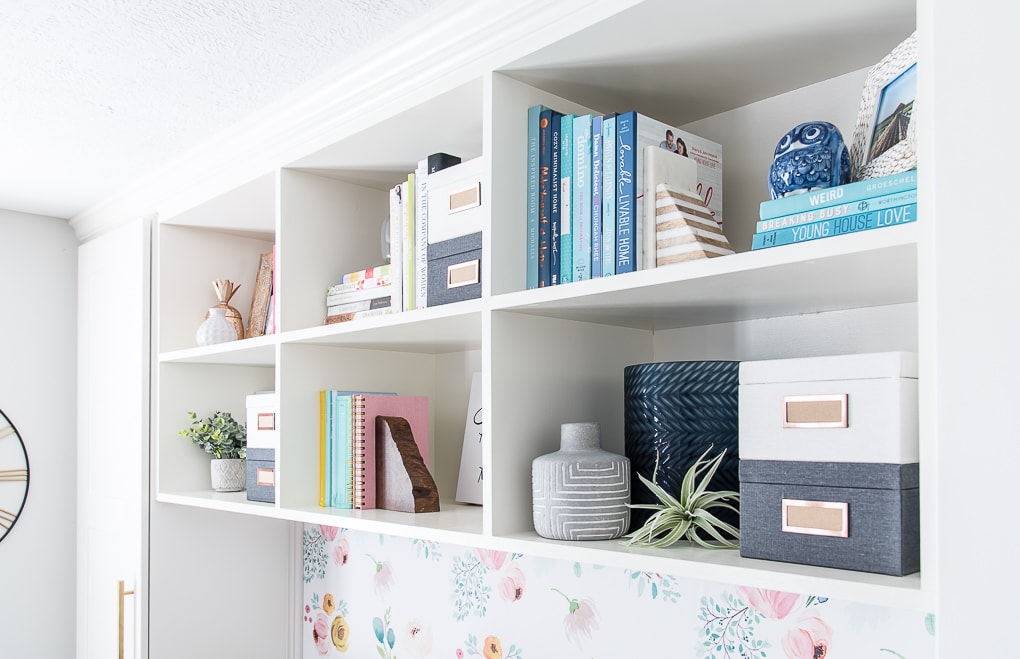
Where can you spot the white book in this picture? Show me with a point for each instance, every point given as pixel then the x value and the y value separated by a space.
pixel 397 219
pixel 421 234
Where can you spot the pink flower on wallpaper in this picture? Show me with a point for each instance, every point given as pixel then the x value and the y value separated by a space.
pixel 809 639
pixel 320 634
pixel 512 585
pixel 581 620
pixel 342 551
pixel 328 532
pixel 417 638
pixel 770 603
pixel 491 558
pixel 383 578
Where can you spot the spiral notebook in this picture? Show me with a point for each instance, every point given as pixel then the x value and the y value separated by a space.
pixel 365 408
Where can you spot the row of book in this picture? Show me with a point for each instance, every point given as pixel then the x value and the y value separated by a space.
pixel 351 462
pixel 439 202
pixel 875 203
pixel 591 207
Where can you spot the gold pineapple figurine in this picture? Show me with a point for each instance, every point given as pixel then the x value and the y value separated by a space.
pixel 225 290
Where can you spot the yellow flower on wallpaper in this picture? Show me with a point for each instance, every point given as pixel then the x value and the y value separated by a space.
pixel 328 603
pixel 340 633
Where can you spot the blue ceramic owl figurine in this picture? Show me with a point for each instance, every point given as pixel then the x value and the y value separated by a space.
pixel 809 157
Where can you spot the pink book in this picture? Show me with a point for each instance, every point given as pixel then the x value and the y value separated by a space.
pixel 366 407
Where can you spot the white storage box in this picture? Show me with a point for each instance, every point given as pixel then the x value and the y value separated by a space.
pixel 844 408
pixel 455 201
pixel 262 429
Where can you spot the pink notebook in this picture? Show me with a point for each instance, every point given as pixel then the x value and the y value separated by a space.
pixel 366 407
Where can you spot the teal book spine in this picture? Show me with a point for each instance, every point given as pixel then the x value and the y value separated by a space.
pixel 841 194
pixel 596 196
pixel 609 195
pixel 836 227
pixel 581 200
pixel 566 207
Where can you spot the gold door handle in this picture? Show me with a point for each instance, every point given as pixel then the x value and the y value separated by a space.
pixel 121 594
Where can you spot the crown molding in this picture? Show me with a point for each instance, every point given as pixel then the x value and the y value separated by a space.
pixel 454 43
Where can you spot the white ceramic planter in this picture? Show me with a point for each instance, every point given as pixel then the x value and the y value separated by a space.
pixel 228 474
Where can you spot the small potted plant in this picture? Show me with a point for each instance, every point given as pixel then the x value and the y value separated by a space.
pixel 225 439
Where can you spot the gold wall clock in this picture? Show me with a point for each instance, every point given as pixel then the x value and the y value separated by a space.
pixel 13 475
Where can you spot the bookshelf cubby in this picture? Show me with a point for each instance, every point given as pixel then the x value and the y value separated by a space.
pixel 556 354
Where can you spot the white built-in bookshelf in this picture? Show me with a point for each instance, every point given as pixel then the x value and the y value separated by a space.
pixel 555 354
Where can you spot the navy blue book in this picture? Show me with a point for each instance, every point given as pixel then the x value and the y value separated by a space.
pixel 626 193
pixel 554 206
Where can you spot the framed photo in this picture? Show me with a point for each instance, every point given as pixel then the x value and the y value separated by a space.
pixel 884 140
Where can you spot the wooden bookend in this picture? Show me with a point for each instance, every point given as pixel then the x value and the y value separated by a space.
pixel 402 480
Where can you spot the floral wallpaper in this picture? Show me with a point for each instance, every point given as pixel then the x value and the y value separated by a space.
pixel 367 594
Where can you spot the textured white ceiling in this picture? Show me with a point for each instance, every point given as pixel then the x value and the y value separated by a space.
pixel 95 93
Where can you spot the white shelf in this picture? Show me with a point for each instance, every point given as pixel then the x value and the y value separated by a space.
pixel 447 328
pixel 866 269
pixel 258 351
pixel 727 566
pixel 455 522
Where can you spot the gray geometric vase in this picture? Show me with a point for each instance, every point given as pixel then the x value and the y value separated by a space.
pixel 674 411
pixel 581 492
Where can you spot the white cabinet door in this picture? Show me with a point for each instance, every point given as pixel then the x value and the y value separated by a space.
pixel 113 430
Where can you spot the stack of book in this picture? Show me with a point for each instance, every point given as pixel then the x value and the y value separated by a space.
pixel 350 463
pixel 870 204
pixel 591 199
pixel 363 293
pixel 409 229
pixel 402 283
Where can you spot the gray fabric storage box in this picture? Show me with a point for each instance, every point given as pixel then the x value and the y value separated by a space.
pixel 455 269
pixel 261 475
pixel 798 512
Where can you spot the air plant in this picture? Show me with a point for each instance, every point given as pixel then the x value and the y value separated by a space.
pixel 687 515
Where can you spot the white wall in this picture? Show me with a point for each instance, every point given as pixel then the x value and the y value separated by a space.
pixel 38 265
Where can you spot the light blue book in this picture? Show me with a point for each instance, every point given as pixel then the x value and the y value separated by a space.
pixel 841 194
pixel 609 195
pixel 581 198
pixel 836 227
pixel 340 468
pixel 566 207
pixel 596 196
pixel 830 212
